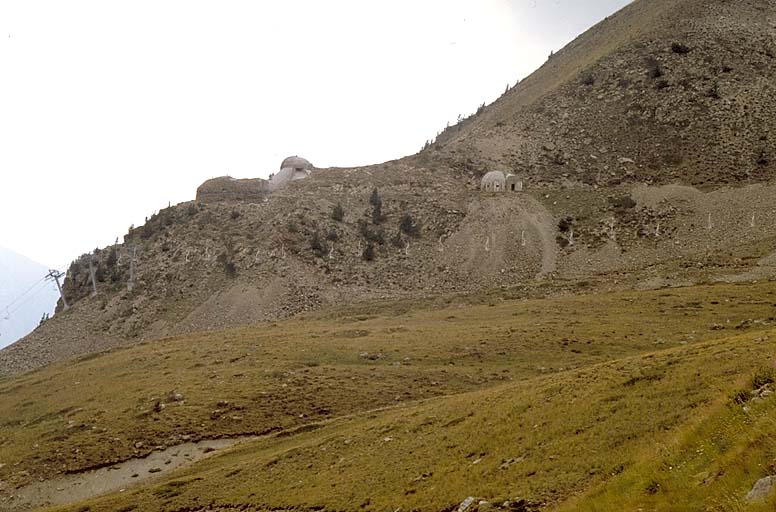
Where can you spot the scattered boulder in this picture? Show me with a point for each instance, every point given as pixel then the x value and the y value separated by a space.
pixel 762 489
pixel 371 357
pixel 466 504
pixel 472 504
pixel 520 505
pixel 506 463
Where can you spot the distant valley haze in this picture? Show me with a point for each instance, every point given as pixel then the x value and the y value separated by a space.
pixel 24 295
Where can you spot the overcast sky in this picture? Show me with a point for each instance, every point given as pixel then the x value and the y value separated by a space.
pixel 111 110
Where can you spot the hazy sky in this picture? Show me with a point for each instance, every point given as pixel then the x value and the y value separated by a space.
pixel 111 110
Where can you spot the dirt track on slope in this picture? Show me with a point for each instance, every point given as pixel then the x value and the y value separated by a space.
pixel 81 486
pixel 504 235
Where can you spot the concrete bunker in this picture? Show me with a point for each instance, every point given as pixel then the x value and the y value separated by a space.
pixel 513 183
pixel 293 168
pixel 497 181
pixel 226 188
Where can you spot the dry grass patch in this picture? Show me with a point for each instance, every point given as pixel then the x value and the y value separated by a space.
pixel 546 439
pixel 99 410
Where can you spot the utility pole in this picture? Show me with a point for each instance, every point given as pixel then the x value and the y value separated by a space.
pixel 91 274
pixel 132 258
pixel 55 275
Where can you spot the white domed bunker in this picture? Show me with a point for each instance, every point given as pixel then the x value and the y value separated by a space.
pixel 293 168
pixel 494 181
pixel 497 181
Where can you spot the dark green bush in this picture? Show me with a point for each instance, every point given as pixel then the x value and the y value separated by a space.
pixel 369 252
pixel 226 259
pixel 654 68
pixel 374 235
pixel 652 487
pixel 338 213
pixel 397 241
pixel 762 157
pixel 566 224
pixel 408 226
pixel 377 213
pixel 680 48
pixel 375 199
pixel 714 92
pixel 318 245
pixel 624 202
pixel 112 258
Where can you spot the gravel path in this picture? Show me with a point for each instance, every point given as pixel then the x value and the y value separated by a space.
pixel 81 486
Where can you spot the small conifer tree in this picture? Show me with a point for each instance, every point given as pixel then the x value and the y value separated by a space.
pixel 338 213
pixel 369 252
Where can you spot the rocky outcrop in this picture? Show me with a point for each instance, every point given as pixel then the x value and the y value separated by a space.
pixel 645 96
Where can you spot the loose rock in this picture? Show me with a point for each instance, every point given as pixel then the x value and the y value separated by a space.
pixel 762 489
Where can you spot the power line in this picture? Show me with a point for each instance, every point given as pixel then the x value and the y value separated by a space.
pixel 18 297
pixel 26 301
pixel 7 311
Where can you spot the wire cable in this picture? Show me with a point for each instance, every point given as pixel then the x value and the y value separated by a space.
pixel 27 300
pixel 18 297
pixel 7 311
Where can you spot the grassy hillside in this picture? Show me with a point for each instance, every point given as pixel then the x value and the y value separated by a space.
pixel 712 461
pixel 545 439
pixel 406 403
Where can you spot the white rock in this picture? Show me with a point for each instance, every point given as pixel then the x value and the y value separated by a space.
pixel 465 504
pixel 762 489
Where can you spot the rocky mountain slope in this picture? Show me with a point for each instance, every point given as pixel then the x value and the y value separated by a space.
pixel 662 92
pixel 646 149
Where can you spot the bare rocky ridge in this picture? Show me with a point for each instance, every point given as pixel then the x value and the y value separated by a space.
pixel 646 147
pixel 663 91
